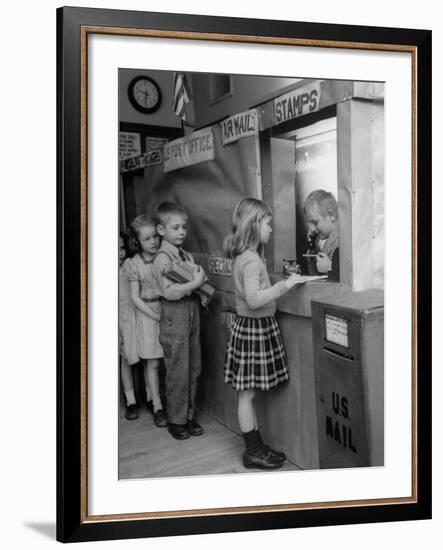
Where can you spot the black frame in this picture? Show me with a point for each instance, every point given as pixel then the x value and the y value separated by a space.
pixel 71 526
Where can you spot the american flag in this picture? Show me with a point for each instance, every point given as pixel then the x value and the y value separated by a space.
pixel 182 95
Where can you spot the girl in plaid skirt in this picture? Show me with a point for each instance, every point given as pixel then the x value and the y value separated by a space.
pixel 255 358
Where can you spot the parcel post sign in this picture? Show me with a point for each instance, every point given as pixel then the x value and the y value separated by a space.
pixel 193 149
pixel 298 102
pixel 239 126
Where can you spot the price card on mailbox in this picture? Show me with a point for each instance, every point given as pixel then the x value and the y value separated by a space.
pixel 337 330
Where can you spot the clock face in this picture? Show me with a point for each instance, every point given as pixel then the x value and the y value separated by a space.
pixel 144 94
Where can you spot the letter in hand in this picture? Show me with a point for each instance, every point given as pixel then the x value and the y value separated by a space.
pixel 294 279
pixel 323 263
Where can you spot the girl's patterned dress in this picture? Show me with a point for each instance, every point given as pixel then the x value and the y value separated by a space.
pixel 255 357
pixel 147 329
pixel 126 321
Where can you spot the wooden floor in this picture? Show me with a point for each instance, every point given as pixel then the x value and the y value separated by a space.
pixel 146 451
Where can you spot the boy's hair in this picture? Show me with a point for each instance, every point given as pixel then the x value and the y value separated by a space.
pixel 326 201
pixel 248 215
pixel 166 209
pixel 136 224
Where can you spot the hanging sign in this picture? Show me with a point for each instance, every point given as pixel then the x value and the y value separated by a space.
pixel 152 143
pixel 239 126
pixel 297 103
pixel 150 158
pixel 192 149
pixel 129 145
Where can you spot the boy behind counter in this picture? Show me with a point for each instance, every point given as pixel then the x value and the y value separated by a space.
pixel 321 213
pixel 179 323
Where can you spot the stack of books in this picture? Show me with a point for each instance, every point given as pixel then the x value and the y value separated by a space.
pixel 182 272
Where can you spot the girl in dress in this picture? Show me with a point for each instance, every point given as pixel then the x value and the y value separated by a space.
pixel 255 358
pixel 146 299
pixel 126 329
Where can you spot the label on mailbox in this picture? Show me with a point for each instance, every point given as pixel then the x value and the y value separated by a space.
pixel 337 330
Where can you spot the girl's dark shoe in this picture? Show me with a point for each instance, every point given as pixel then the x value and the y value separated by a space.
pixel 160 418
pixel 178 431
pixel 261 459
pixel 131 412
pixel 276 456
pixel 194 427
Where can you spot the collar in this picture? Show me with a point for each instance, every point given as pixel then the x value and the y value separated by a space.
pixel 332 242
pixel 176 252
pixel 143 259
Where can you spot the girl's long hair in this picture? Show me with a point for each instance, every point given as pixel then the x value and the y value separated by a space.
pixel 248 215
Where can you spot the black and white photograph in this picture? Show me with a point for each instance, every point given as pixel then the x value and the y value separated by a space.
pixel 251 254
pixel 217 289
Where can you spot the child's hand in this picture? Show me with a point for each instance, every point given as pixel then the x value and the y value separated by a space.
pixel 204 301
pixel 199 276
pixel 293 280
pixel 323 263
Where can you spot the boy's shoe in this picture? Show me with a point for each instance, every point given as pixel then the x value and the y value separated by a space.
pixel 261 459
pixel 194 427
pixel 179 431
pixel 160 419
pixel 131 412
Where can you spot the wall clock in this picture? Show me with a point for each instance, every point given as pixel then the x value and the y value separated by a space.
pixel 144 94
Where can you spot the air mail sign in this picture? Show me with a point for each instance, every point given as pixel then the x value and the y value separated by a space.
pixel 239 126
pixel 297 103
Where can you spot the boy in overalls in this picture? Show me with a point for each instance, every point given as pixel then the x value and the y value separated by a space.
pixel 179 323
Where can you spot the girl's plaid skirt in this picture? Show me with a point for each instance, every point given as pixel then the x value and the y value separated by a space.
pixel 255 358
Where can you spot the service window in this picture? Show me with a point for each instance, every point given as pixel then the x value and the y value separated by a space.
pixel 303 160
pixel 315 169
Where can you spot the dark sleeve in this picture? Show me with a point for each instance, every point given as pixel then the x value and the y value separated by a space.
pixel 334 272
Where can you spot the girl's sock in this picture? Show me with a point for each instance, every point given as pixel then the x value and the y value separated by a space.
pixel 253 441
pixel 157 404
pixel 259 438
pixel 149 398
pixel 130 397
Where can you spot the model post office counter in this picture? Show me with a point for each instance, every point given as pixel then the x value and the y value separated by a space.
pixel 293 416
pixel 301 136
